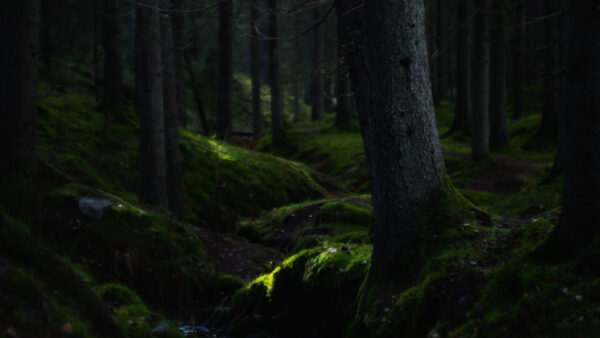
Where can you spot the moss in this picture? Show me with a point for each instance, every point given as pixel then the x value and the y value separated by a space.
pixel 118 294
pixel 295 227
pixel 324 280
pixel 33 309
pixel 341 212
pixel 534 200
pixel 334 152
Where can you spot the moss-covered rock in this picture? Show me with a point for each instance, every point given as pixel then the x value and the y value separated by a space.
pixel 300 226
pixel 310 293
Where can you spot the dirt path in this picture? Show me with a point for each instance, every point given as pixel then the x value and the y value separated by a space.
pixel 509 176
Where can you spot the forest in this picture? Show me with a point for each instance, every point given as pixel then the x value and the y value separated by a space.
pixel 299 168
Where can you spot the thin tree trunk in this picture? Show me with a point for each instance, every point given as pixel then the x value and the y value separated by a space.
pixel 559 161
pixel 179 42
pixel 577 228
pixel 95 50
pixel 149 103
pixel 517 57
pixel 481 83
pixel 499 75
pixel 463 70
pixel 224 116
pixel 276 91
pixel 19 51
pixel 434 48
pixel 317 76
pixel 353 41
pixel 171 106
pixel 343 117
pixel 406 156
pixel 196 93
pixel 257 126
pixel 549 126
pixel 441 51
pixel 297 66
pixel 113 67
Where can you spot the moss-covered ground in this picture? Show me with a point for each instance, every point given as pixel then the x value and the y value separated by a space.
pixel 277 242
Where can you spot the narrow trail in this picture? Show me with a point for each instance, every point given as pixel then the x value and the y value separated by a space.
pixel 508 177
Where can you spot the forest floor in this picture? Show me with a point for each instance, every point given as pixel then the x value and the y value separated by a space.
pixel 277 242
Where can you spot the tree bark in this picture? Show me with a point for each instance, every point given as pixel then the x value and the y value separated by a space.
pixel 432 18
pixel 549 126
pixel 343 117
pixel 19 49
pixel 317 76
pixel 196 93
pixel 276 90
pixel 179 43
pixel 499 75
pixel 353 41
pixel 581 195
pixel 224 116
pixel 481 83
pixel 406 162
pixel 257 121
pixel 518 46
pixel 149 103
pixel 171 106
pixel 113 67
pixel 463 70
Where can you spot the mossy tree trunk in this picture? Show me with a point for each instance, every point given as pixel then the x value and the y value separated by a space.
pixel 179 44
pixel 549 126
pixel 171 106
pixel 577 226
pixel 499 75
pixel 149 103
pixel 481 83
pixel 255 72
pixel 518 45
pixel 224 116
pixel 317 76
pixel 19 49
pixel 276 89
pixel 463 67
pixel 113 65
pixel 406 164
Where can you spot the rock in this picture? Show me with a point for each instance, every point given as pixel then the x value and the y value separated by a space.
pixel 93 207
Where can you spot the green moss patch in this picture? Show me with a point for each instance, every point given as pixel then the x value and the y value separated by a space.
pixel 299 226
pixel 315 286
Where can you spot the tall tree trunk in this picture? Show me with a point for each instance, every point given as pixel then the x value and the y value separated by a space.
pixel 499 75
pixel 179 43
pixel 481 83
pixel 113 67
pixel 518 46
pixel 196 93
pixel 559 161
pixel 46 39
pixel 95 49
pixel 276 91
pixel 432 19
pixel 149 103
pixel 224 116
pixel 549 126
pixel 581 195
pixel 19 49
pixel 442 72
pixel 257 126
pixel 343 117
pixel 317 76
pixel 297 66
pixel 171 106
pixel 463 68
pixel 406 163
pixel 353 42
